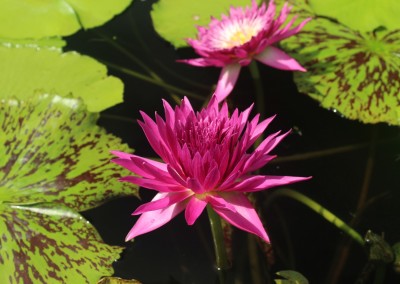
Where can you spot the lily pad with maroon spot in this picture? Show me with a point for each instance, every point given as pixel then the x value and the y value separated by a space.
pixel 50 243
pixel 55 161
pixel 53 151
pixel 354 73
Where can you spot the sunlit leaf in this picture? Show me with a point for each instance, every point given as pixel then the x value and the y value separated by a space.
pixel 52 43
pixel 176 20
pixel 25 71
pixel 360 14
pixel 49 243
pixel 53 151
pixel 356 74
pixel 37 19
pixel 291 277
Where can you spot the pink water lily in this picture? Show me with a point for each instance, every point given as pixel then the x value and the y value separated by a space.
pixel 206 161
pixel 244 35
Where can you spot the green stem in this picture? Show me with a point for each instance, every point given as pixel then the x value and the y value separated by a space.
pixel 343 250
pixel 172 73
pixel 219 245
pixel 137 61
pixel 319 153
pixel 153 81
pixel 255 269
pixel 329 216
pixel 128 54
pixel 260 101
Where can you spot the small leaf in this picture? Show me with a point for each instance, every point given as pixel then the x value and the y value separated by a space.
pixel 291 277
pixel 25 71
pixel 46 18
pixel 50 243
pixel 53 151
pixel 379 249
pixel 356 74
pixel 396 262
pixel 368 16
pixel 176 20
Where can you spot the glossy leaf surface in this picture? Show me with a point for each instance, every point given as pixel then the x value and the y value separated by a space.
pixel 45 18
pixel 27 71
pixel 353 73
pixel 53 151
pixel 362 15
pixel 50 243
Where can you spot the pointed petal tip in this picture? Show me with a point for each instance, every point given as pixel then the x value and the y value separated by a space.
pixel 131 235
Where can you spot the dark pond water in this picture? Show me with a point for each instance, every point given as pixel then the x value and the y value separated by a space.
pixel 302 240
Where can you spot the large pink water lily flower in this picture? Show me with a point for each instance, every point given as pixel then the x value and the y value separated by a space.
pixel 206 160
pixel 244 35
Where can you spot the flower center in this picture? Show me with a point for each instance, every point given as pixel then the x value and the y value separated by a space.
pixel 203 135
pixel 240 37
pixel 235 32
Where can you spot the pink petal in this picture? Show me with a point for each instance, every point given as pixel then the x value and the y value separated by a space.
pixel 121 155
pixel 144 167
pixel 152 220
pixel 193 210
pixel 199 62
pixel 227 81
pixel 269 143
pixel 212 178
pixel 256 162
pixel 194 185
pixel 257 183
pixel 285 33
pixel 276 58
pixel 160 203
pixel 259 129
pixel 244 217
pixel 153 184
pixel 218 202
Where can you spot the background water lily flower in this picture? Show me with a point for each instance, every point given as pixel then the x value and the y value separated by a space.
pixel 246 34
pixel 205 161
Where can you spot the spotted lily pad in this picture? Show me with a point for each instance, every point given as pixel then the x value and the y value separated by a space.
pixel 176 20
pixel 53 151
pixel 55 161
pixel 360 14
pixel 354 73
pixel 37 19
pixel 51 244
pixel 25 71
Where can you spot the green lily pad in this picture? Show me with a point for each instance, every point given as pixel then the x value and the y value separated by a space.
pixel 25 71
pixel 50 243
pixel 353 73
pixel 46 18
pixel 360 14
pixel 176 20
pixel 53 151
pixel 51 43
